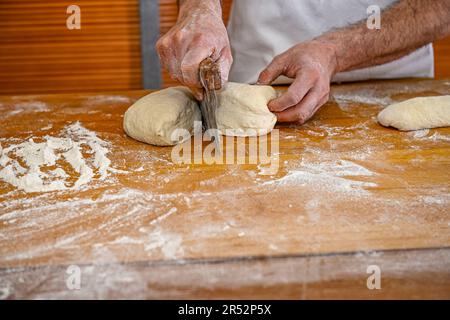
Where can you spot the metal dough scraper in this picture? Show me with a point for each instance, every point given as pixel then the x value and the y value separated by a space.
pixel 210 79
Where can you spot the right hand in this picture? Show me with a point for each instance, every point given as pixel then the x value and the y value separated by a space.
pixel 198 34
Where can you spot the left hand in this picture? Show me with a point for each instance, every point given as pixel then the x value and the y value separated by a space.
pixel 311 65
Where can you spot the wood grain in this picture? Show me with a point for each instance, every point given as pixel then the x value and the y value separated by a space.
pixel 346 188
pixel 411 274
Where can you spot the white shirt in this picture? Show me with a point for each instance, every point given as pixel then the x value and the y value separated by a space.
pixel 261 29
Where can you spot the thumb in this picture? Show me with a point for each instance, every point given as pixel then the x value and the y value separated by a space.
pixel 272 71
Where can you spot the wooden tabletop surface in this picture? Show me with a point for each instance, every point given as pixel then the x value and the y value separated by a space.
pixel 348 194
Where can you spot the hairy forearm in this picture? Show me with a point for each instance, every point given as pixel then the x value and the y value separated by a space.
pixel 189 6
pixel 382 59
pixel 406 26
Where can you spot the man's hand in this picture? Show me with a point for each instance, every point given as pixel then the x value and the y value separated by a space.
pixel 311 65
pixel 198 34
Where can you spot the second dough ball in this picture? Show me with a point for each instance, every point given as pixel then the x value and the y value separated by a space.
pixel 417 113
pixel 243 110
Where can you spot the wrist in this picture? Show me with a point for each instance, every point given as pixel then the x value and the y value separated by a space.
pixel 187 7
pixel 330 51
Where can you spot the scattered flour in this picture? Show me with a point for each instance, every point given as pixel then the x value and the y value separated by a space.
pixel 170 244
pixel 4 293
pixel 338 168
pixel 325 180
pixel 312 207
pixel 365 97
pixel 439 137
pixel 36 166
pixel 328 176
pixel 419 133
pixel 436 199
pixel 47 127
pixel 164 216
pixel 28 106
pixel 101 99
pixel 126 240
pixel 424 134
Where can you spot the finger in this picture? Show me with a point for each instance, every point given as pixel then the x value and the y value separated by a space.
pixel 173 67
pixel 166 56
pixel 225 61
pixel 170 64
pixel 303 111
pixel 272 71
pixel 294 94
pixel 190 66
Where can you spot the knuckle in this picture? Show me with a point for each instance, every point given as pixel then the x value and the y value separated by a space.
pixel 301 118
pixel 200 38
pixel 163 42
pixel 160 45
pixel 324 92
pixel 178 36
pixel 314 74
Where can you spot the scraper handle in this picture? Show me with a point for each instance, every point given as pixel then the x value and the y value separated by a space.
pixel 210 77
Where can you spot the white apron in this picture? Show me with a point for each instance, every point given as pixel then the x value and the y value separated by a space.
pixel 262 29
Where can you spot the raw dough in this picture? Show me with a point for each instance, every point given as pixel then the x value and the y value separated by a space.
pixel 417 113
pixel 153 118
pixel 243 107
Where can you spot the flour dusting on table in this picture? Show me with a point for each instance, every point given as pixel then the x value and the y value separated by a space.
pixel 24 107
pixel 40 166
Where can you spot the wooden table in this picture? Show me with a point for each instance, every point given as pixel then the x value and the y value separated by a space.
pixel 349 194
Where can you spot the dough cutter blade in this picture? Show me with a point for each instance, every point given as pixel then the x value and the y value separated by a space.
pixel 210 79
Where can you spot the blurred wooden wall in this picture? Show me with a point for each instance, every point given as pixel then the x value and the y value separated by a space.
pixel 442 58
pixel 38 54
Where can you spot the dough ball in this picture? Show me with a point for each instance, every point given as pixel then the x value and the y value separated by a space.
pixel 243 107
pixel 153 118
pixel 417 113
